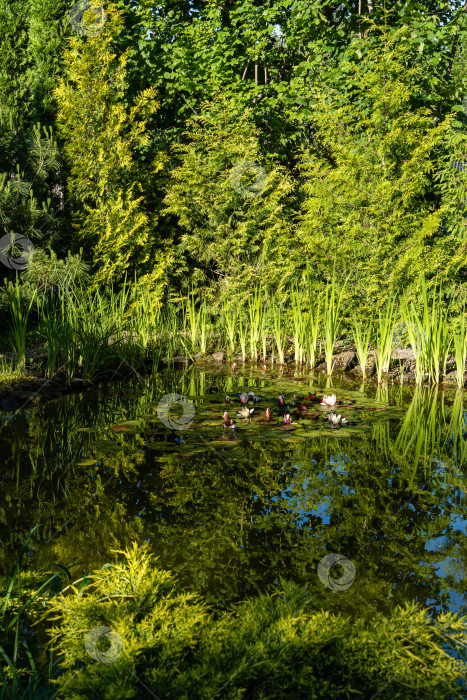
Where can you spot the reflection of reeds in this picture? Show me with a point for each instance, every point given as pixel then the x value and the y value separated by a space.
pixel 457 429
pixel 460 350
pixel 422 433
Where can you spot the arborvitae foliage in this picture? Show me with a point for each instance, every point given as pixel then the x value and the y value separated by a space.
pixel 371 206
pixel 14 62
pixel 231 203
pixel 49 27
pixel 274 646
pixel 105 143
pixel 32 36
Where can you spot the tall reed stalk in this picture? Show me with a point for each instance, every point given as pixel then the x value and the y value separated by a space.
pixel 19 324
pixel 362 343
pixel 242 334
pixel 384 341
pixel 300 326
pixel 331 321
pixel 279 332
pixel 230 324
pixel 460 350
pixel 428 331
pixel 255 312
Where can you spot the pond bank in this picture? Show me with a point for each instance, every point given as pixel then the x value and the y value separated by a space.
pixel 33 388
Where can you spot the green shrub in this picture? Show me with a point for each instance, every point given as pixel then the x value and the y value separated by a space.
pixel 274 646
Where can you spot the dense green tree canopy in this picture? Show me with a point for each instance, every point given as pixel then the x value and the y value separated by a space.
pixel 290 71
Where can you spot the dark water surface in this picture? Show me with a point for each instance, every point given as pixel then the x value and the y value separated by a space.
pixel 232 512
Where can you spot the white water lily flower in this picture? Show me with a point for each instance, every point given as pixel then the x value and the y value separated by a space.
pixel 335 419
pixel 329 400
pixel 245 412
pixel 244 398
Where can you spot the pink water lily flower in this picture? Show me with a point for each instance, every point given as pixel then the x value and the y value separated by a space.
pixel 234 367
pixel 287 419
pixel 264 368
pixel 281 400
pixel 335 419
pixel 244 398
pixel 329 400
pixel 226 416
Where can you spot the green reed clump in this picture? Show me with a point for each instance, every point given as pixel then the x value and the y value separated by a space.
pixel 331 320
pixel 19 323
pixel 300 326
pixel 230 316
pixel 255 318
pixel 242 332
pixel 460 349
pixel 429 336
pixel 362 343
pixel 279 331
pixel 384 340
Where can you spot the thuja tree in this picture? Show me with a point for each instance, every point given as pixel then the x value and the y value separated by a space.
pixel 106 147
pixel 231 203
pixel 372 204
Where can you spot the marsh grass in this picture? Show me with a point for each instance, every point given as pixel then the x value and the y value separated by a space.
pixel 384 340
pixel 230 316
pixel 255 319
pixel 460 350
pixel 429 335
pixel 300 326
pixel 19 323
pixel 280 335
pixel 332 303
pixel 362 343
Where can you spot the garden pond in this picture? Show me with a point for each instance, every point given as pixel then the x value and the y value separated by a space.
pixel 231 511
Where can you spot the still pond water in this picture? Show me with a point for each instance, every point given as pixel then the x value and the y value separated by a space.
pixel 231 512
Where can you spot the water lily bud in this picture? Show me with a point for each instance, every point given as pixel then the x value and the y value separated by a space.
pixel 225 416
pixel 227 399
pixel 234 367
pixel 268 413
pixel 281 400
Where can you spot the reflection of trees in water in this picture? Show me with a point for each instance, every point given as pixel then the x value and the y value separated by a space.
pixel 231 527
